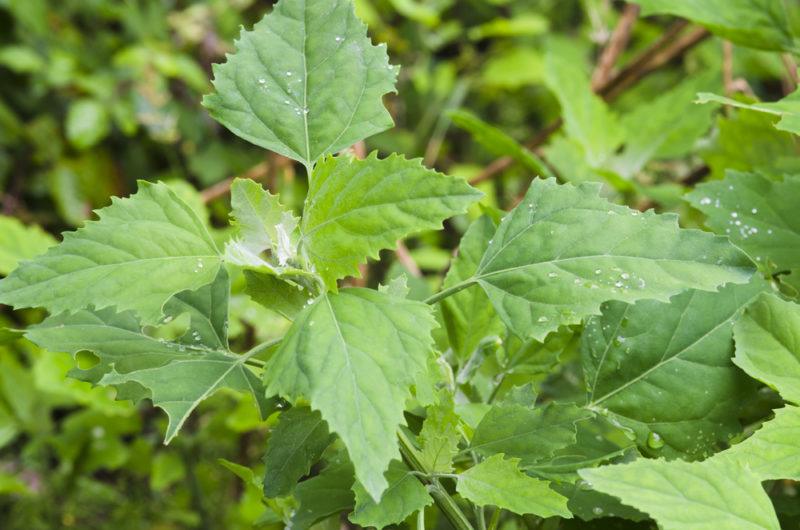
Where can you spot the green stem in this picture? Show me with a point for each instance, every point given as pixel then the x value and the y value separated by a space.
pixel 443 500
pixel 495 520
pixel 441 295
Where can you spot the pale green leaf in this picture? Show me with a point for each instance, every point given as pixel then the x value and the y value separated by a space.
pixel 87 123
pixel 140 252
pixel 354 356
pixel 499 482
pixel 522 24
pixel 468 315
pixel 689 496
pixel 498 142
pixel 439 436
pixel 664 370
pixel 178 375
pixel 294 445
pixel 758 214
pixel 587 118
pixel 760 24
pixel 284 297
pixel 404 496
pixel 305 82
pixel 530 434
pixel 788 108
pixel 356 208
pixel 771 453
pixel 564 250
pixel 768 344
pixel 19 242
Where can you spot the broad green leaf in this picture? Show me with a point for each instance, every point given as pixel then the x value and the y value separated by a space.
pixel 404 496
pixel 264 224
pixel 498 142
pixel 768 344
pixel 759 215
pixel 295 444
pixel 141 252
pixel 530 434
pixel 468 315
pixel 19 242
pixel 354 356
pixel 771 452
pixel 208 312
pixel 760 24
pixel 439 436
pixel 178 375
pixel 587 119
pixel 689 496
pixel 87 123
pixel 323 495
pixel 664 370
pixel 788 108
pixel 513 68
pixel 356 208
pixel 499 482
pixel 305 82
pixel 564 250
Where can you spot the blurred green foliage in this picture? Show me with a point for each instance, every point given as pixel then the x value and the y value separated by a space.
pixel 95 94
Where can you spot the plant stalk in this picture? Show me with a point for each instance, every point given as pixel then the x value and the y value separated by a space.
pixel 441 295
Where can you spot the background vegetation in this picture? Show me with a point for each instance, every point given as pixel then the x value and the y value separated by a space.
pixel 95 94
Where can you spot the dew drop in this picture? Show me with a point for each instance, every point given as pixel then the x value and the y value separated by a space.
pixel 754 210
pixel 261 81
pixel 705 200
pixel 654 441
pixel 597 510
pixel 339 38
pixel 542 319
pixel 552 275
pixel 288 74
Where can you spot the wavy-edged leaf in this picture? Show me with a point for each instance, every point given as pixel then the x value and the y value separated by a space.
pixel 689 496
pixel 768 344
pixel 530 434
pixel 141 252
pixel 295 444
pixel 758 214
pixel 564 250
pixel 328 493
pixel 305 82
pixel 664 370
pixel 760 24
pixel 771 453
pixel 787 109
pixel 19 242
pixel 498 481
pixel 356 208
pixel 439 436
pixel 354 356
pixel 404 496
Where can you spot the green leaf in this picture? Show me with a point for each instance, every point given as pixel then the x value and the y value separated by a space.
pixel 439 436
pixel 141 252
pixel 295 444
pixel 284 297
pixel 326 494
pixel 499 482
pixel 305 82
pixel 664 370
pixel 564 250
pixel 689 496
pixel 768 344
pixel 19 242
pixel 788 108
pixel 178 375
pixel 762 24
pixel 404 496
pixel 355 208
pixel 530 434
pixel 87 123
pixel 771 452
pixel 498 142
pixel 354 356
pixel 207 308
pixel 758 214
pixel 264 224
pixel 468 315
pixel 587 119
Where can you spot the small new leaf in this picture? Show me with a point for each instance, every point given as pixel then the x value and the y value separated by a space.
pixel 499 482
pixel 404 496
